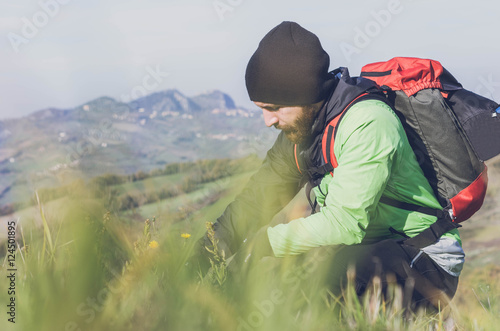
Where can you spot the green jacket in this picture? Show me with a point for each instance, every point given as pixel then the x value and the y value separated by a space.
pixel 374 159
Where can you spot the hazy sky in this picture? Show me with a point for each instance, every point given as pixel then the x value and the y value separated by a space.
pixel 63 53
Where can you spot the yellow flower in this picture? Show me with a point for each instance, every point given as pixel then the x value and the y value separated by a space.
pixel 185 235
pixel 153 244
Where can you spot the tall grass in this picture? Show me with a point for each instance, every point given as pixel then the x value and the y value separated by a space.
pixel 84 269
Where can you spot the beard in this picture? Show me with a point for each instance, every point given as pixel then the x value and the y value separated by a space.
pixel 301 128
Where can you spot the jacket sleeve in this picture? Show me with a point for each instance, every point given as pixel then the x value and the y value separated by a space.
pixel 268 191
pixel 365 147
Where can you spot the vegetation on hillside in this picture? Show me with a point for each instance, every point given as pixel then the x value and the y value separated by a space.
pixel 83 265
pixel 111 188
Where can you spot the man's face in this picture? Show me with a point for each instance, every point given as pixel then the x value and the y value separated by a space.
pixel 295 121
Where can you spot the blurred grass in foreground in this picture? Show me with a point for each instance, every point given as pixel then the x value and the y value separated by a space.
pixel 87 269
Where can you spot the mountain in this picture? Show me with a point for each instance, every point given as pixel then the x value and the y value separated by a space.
pixel 171 100
pixel 215 100
pixel 109 136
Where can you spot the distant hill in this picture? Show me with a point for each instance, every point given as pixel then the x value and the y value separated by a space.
pixel 108 136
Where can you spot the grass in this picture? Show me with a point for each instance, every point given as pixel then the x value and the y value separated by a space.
pixel 85 271
pixel 81 267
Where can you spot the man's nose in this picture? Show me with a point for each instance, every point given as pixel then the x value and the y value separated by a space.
pixel 270 117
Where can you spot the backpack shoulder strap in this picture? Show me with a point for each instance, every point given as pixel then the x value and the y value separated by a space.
pixel 328 141
pixel 296 158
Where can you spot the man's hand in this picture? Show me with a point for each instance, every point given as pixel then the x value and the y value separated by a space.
pixel 199 263
pixel 253 249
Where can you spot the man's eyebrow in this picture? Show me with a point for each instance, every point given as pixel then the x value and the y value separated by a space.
pixel 271 106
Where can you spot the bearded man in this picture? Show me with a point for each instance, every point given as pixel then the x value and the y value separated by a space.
pixel 288 77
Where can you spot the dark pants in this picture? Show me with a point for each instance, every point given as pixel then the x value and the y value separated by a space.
pixel 423 282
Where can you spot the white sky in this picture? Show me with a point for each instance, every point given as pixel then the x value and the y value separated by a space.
pixel 84 49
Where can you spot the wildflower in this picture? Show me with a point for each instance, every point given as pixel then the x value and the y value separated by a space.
pixel 185 235
pixel 153 244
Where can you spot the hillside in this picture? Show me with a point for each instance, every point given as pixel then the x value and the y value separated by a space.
pixel 52 146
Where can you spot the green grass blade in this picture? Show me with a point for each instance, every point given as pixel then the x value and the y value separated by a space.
pixel 46 229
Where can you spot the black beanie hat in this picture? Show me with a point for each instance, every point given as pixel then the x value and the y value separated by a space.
pixel 289 68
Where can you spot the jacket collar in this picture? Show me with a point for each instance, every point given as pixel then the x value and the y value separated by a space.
pixel 345 89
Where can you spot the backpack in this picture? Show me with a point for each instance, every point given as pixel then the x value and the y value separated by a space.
pixel 452 131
